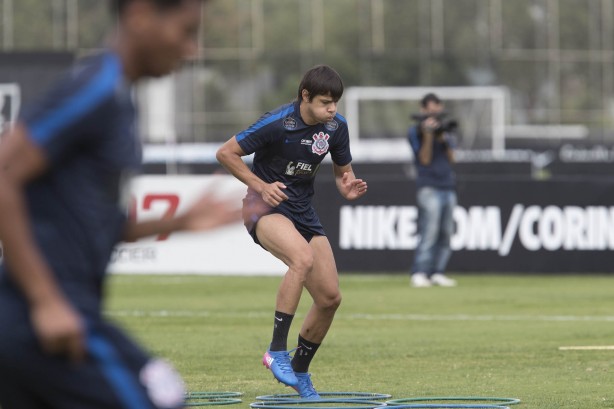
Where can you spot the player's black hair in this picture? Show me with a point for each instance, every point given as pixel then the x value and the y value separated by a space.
pixel 428 98
pixel 118 6
pixel 321 80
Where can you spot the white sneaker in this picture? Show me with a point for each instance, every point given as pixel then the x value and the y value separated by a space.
pixel 442 281
pixel 420 280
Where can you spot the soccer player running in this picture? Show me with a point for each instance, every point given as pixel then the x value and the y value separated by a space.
pixel 289 144
pixel 64 170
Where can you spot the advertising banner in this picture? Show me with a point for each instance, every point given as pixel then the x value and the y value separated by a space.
pixel 227 250
pixel 507 225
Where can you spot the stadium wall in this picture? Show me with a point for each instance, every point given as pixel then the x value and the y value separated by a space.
pixel 502 225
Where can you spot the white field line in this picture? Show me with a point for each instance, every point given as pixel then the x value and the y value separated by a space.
pixel 366 317
pixel 588 348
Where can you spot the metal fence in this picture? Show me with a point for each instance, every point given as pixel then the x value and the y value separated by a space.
pixel 555 56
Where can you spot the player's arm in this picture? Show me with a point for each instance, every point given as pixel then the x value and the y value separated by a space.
pixel 206 213
pixel 450 155
pixel 348 185
pixel 449 150
pixel 229 155
pixel 425 154
pixel 57 325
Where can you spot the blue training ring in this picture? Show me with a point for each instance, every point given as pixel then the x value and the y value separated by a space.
pixel 342 395
pixel 407 403
pixel 194 399
pixel 190 395
pixel 450 406
pixel 495 401
pixel 293 403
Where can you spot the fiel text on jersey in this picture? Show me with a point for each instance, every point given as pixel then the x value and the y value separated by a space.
pixel 301 169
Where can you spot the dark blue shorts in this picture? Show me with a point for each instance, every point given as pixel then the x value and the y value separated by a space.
pixel 115 373
pixel 306 223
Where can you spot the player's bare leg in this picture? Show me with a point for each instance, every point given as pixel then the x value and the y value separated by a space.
pixel 323 285
pixel 278 235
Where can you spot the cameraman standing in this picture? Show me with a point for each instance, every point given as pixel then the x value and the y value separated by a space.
pixel 435 195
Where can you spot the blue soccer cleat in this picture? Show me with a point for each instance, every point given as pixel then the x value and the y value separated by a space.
pixel 279 363
pixel 305 387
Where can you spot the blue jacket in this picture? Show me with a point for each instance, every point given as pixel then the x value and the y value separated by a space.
pixel 439 172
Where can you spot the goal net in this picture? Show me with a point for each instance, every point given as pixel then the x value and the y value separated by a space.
pixel 380 116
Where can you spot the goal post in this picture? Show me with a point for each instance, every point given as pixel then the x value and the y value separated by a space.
pixel 486 103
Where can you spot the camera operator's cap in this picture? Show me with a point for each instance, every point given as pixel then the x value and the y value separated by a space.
pixel 430 97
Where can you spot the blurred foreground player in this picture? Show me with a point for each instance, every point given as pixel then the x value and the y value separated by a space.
pixel 64 172
pixel 289 143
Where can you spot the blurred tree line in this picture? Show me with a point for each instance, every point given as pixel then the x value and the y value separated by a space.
pixel 555 56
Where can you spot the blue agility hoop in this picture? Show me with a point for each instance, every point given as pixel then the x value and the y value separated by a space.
pixel 194 399
pixel 327 395
pixel 450 406
pixel 407 403
pixel 497 401
pixel 213 394
pixel 318 404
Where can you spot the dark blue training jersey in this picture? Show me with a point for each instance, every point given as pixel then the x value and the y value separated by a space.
pixel 86 127
pixel 289 151
pixel 439 172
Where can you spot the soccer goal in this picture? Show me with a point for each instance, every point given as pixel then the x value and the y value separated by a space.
pixel 10 100
pixel 381 115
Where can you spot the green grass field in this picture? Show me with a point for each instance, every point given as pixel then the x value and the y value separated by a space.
pixel 491 336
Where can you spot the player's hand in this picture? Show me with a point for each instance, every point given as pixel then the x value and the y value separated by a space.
pixel 59 329
pixel 211 211
pixel 353 188
pixel 273 194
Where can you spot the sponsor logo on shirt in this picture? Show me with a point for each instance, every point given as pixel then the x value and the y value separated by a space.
pixel 331 125
pixel 289 123
pixel 320 143
pixel 300 169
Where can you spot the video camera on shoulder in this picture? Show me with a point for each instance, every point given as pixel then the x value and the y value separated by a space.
pixel 446 124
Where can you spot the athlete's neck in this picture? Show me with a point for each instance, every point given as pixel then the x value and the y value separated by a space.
pixel 127 57
pixel 307 116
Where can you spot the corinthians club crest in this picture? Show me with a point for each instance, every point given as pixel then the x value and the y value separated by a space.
pixel 320 143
